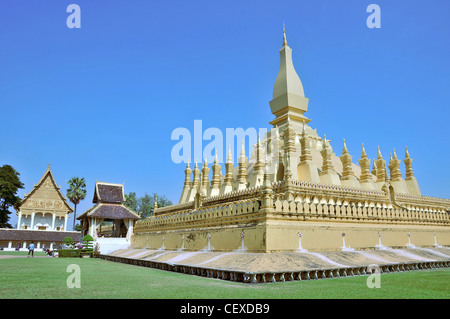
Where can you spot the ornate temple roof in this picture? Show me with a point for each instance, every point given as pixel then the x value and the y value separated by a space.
pixel 109 198
pixel 108 193
pixel 49 180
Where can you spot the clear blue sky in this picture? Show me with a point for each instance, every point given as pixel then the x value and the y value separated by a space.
pixel 101 102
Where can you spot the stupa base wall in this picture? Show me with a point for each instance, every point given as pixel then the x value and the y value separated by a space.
pixel 223 238
pixel 281 235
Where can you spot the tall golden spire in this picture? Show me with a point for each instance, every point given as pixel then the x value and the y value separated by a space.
pixel 327 165
pixel 242 170
pixel 187 184
pixel 408 164
pixel 187 172
pixel 364 162
pixel 215 182
pixel 381 167
pixel 196 181
pixel 305 150
pixel 288 96
pixel 204 176
pixel 347 170
pixel 411 181
pixel 394 168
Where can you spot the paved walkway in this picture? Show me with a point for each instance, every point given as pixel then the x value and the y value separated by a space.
pixel 20 256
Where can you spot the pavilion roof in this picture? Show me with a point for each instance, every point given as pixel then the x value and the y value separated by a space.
pixel 109 211
pixel 108 193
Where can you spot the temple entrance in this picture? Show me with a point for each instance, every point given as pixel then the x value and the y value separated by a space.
pixel 112 228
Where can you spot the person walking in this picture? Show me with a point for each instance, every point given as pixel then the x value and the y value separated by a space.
pixel 31 249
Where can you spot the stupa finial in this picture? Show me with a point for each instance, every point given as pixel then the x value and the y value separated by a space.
pixel 284 35
pixel 216 159
pixel 230 156
pixel 344 148
pixel 363 153
pixel 379 154
pixel 394 156
pixel 156 202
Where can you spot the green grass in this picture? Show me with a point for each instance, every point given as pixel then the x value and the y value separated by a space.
pixel 46 278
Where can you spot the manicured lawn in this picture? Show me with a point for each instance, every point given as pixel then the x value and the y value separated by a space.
pixel 46 277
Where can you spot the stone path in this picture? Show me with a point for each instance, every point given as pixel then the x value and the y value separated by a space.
pixel 20 256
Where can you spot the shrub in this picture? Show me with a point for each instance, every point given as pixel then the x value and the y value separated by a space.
pixel 88 238
pixel 88 246
pixel 67 243
pixel 68 240
pixel 96 250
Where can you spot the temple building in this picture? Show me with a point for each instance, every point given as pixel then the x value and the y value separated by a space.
pixel 44 207
pixel 42 218
pixel 109 221
pixel 295 183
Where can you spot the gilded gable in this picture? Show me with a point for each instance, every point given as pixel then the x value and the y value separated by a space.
pixel 45 197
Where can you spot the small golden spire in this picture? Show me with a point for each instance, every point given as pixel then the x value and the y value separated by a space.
pixel 230 156
pixel 284 36
pixel 344 148
pixel 156 202
pixel 379 154
pixel 363 153
pixel 242 148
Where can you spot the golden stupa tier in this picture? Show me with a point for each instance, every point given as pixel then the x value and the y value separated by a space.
pixel 297 150
pixel 271 216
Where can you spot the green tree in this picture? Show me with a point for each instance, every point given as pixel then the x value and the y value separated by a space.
pixel 76 193
pixel 144 205
pixel 9 185
pixel 131 201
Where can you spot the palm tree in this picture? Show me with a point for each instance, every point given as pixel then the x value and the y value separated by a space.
pixel 76 193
